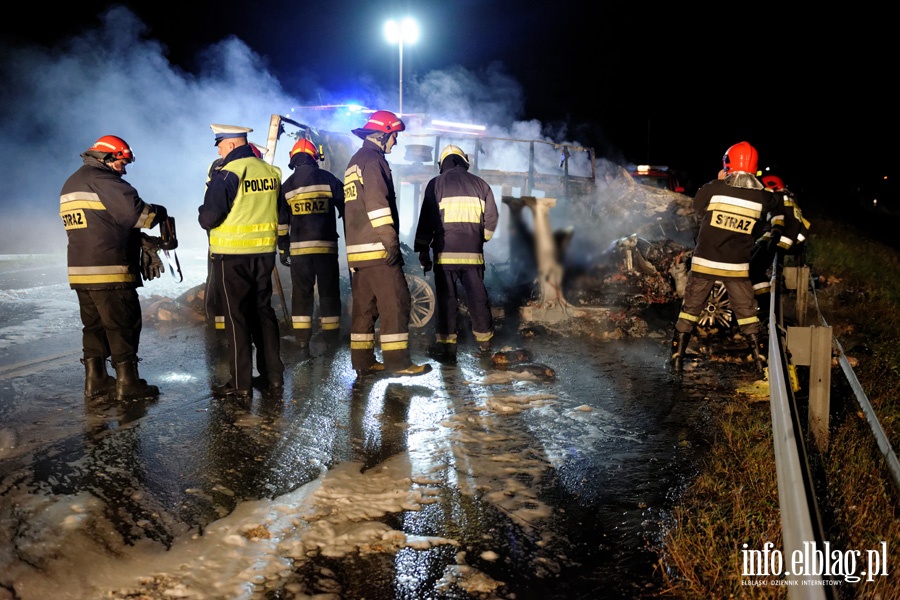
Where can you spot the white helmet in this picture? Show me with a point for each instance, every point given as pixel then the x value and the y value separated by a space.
pixel 451 149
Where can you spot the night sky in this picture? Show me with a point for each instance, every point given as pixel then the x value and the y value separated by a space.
pixel 674 86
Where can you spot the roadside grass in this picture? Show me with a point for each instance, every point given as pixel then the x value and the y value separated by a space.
pixel 734 501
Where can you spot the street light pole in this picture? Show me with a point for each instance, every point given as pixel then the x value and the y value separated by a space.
pixel 400 45
pixel 405 31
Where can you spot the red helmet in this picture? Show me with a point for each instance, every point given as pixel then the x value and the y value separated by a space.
pixel 116 146
pixel 741 157
pixel 304 145
pixel 773 182
pixel 381 120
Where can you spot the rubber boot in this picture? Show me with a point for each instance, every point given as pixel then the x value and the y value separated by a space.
pixel 757 351
pixel 97 381
pixel 414 369
pixel 129 385
pixel 679 345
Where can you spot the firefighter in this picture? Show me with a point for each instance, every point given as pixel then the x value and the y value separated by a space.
pixel 307 243
pixel 796 227
pixel 240 213
pixel 108 256
pixel 458 216
pixel 372 229
pixel 730 209
pixel 789 243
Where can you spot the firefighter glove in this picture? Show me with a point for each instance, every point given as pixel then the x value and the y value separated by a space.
pixel 425 260
pixel 394 258
pixel 151 266
pixel 285 257
pixel 773 241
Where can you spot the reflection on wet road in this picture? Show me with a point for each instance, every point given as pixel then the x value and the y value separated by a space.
pixel 469 482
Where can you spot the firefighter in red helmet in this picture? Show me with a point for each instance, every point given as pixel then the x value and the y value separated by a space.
pixel 786 241
pixel 730 209
pixel 372 229
pixel 108 257
pixel 307 243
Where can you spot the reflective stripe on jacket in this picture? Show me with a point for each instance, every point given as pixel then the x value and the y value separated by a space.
pixel 252 223
pixel 102 215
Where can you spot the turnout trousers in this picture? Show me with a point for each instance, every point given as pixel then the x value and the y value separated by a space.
pixel 250 321
pixel 740 298
pixel 111 322
pixel 447 278
pixel 380 293
pixel 307 272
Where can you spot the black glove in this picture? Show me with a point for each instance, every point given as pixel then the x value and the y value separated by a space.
pixel 425 260
pixel 161 213
pixel 393 256
pixel 285 257
pixel 151 266
pixel 775 237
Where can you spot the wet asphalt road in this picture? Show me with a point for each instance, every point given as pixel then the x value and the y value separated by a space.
pixel 595 457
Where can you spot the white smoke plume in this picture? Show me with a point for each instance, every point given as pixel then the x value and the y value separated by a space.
pixel 117 80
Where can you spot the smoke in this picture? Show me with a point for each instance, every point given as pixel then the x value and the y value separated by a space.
pixel 116 80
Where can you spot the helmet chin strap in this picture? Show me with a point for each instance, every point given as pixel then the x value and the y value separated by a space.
pixel 380 139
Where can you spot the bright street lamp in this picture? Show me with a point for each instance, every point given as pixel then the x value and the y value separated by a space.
pixel 396 32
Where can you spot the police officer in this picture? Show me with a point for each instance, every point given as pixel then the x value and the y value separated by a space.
pixel 103 215
pixel 213 297
pixel 372 228
pixel 731 208
pixel 240 212
pixel 458 216
pixel 307 242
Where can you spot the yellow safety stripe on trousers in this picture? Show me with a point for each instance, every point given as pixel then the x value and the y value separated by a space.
pixel 462 209
pixel 362 341
pixel 381 217
pixel 314 247
pixel 362 252
pixel 105 274
pixel 689 317
pixel 483 337
pixel 395 341
pixel 446 339
pixel 748 321
pixel 720 269
pixel 330 323
pixel 460 258
pixel 220 322
pixel 762 288
pixel 301 322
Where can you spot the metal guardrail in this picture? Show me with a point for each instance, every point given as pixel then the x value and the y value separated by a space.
pixel 796 496
pixel 884 445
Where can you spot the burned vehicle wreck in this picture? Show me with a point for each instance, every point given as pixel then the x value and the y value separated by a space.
pixel 578 236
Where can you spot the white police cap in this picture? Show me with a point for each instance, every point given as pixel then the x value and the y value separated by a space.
pixel 228 131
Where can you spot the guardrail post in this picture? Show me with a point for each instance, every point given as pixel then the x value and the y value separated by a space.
pixel 811 346
pixel 820 385
pixel 797 278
